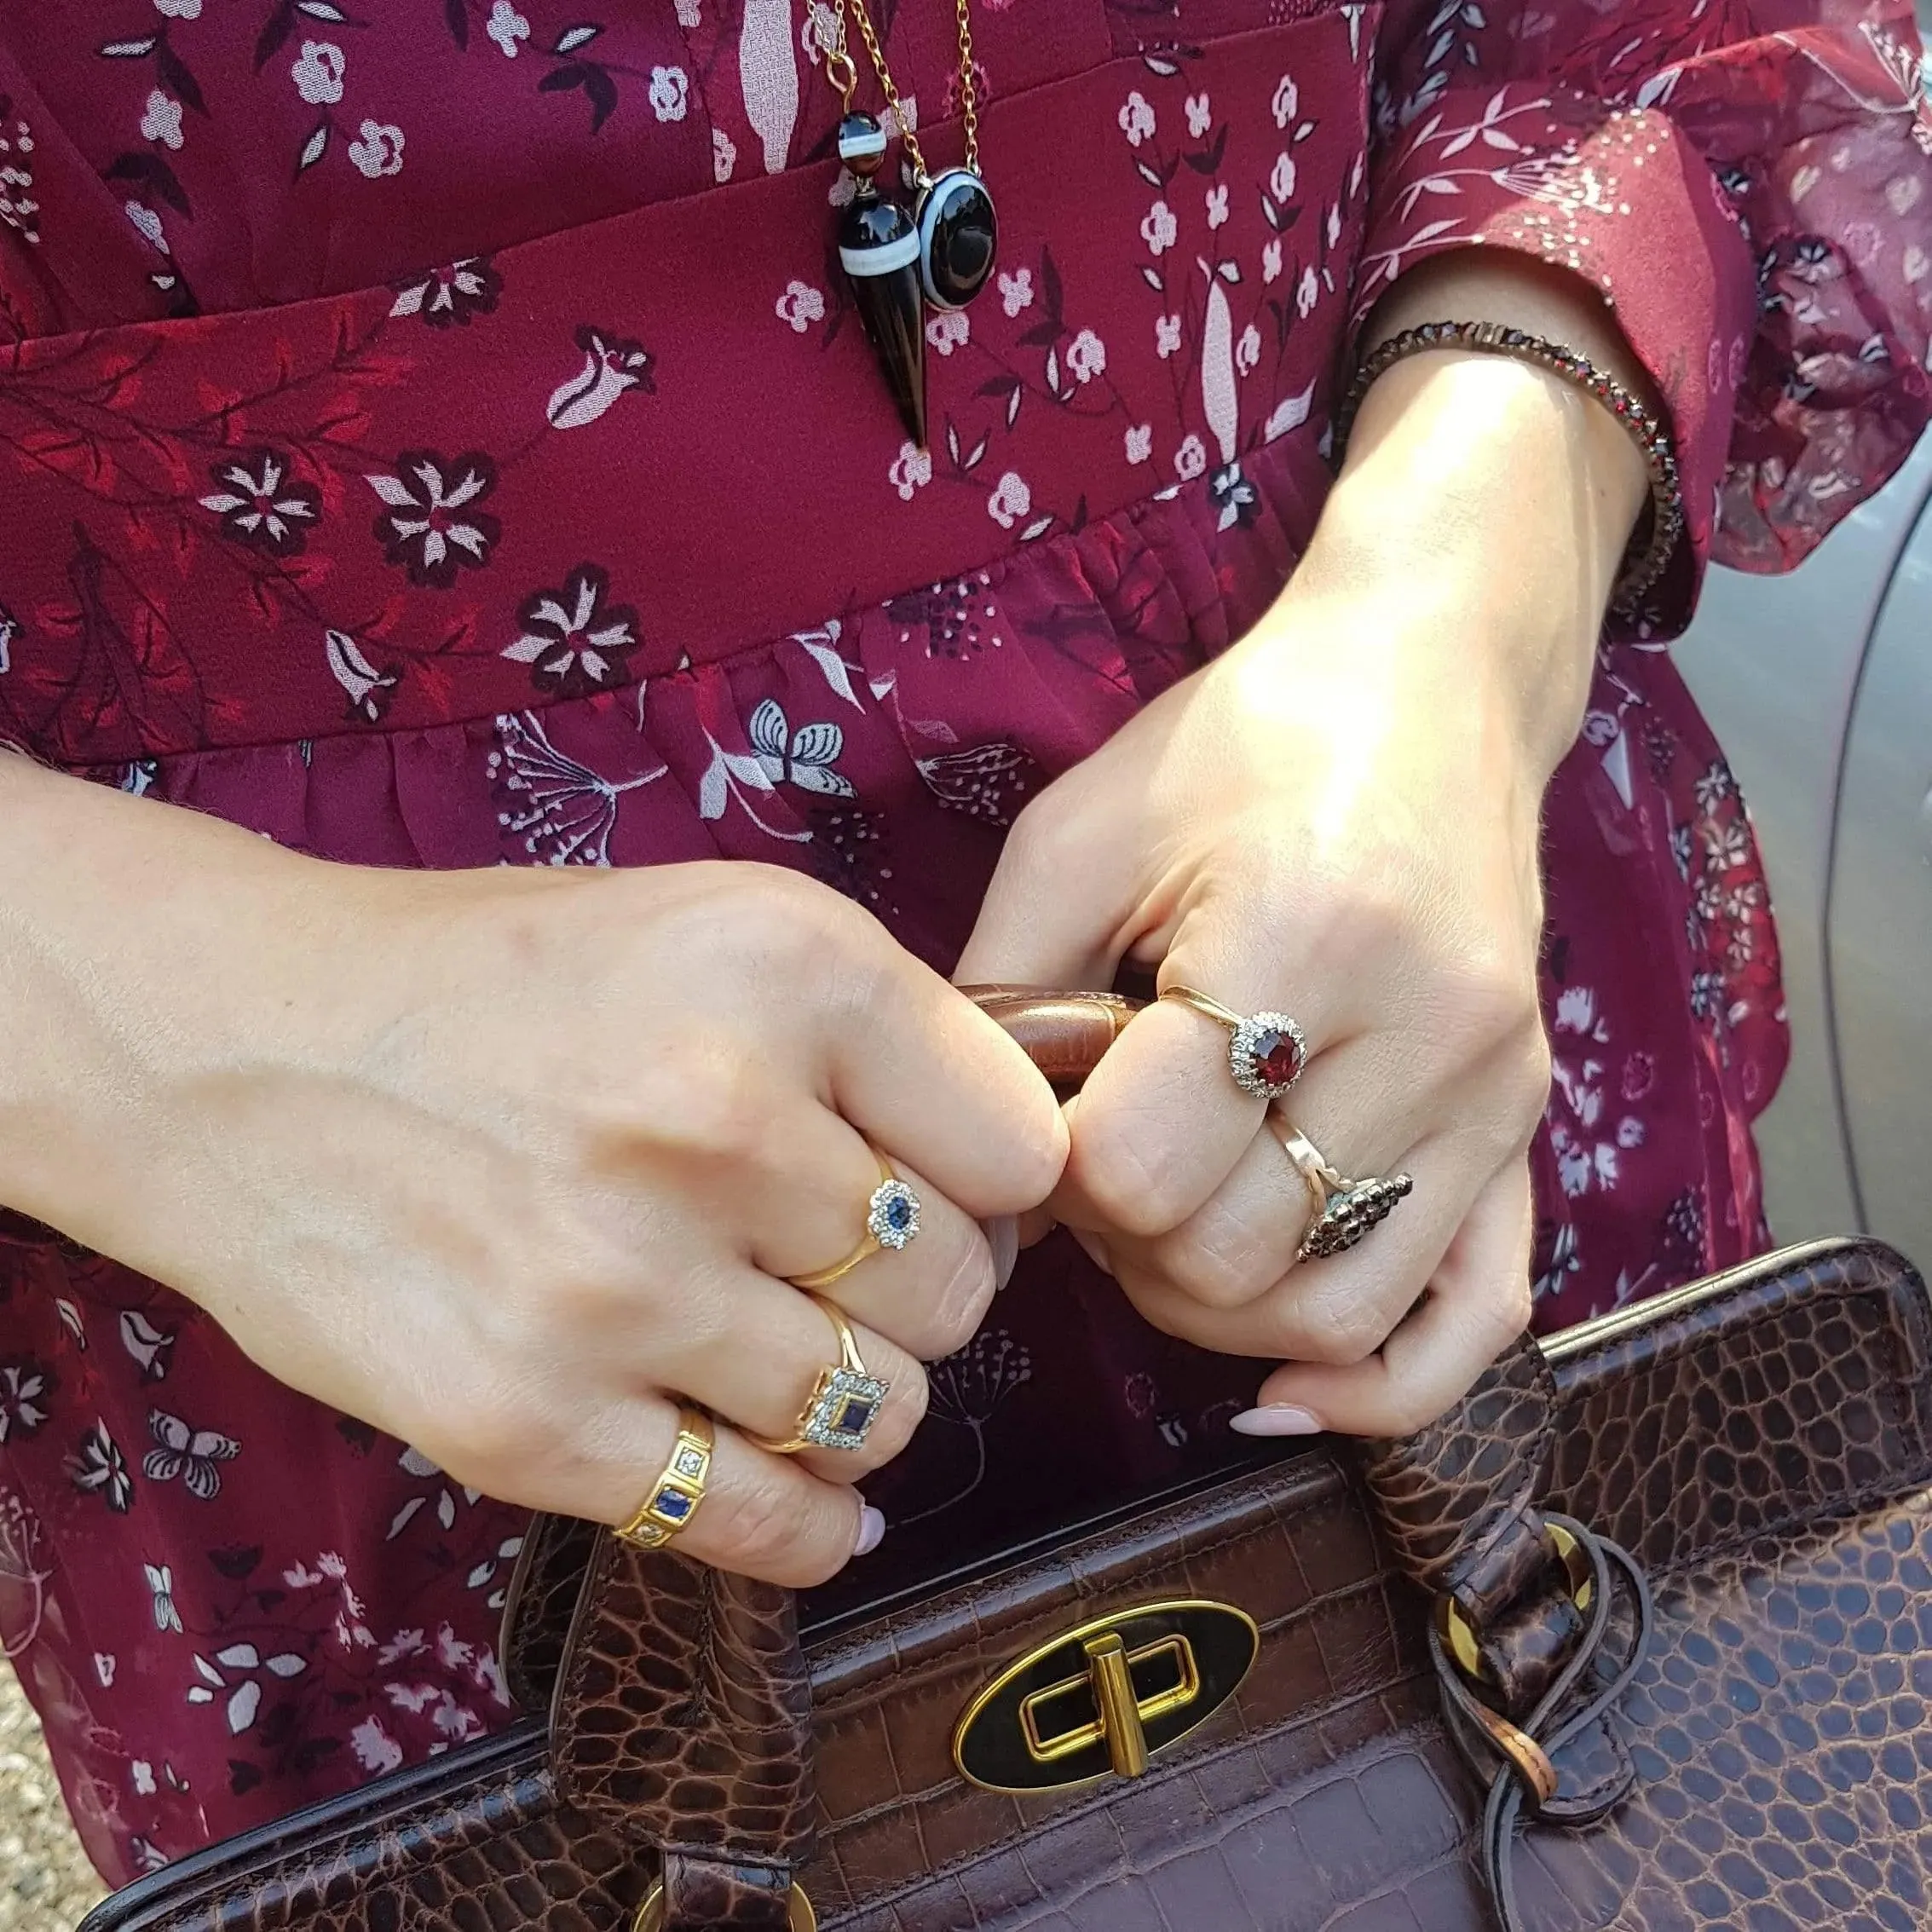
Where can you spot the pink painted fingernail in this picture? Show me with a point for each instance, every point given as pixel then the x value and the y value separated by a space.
pixel 872 1531
pixel 1279 1419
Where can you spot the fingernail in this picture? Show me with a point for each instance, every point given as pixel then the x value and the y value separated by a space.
pixel 1279 1419
pixel 872 1531
pixel 1002 1236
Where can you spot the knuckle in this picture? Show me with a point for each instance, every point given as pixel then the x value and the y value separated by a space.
pixel 1486 996
pixel 1217 1273
pixel 1404 1410
pixel 959 1307
pixel 771 1537
pixel 1339 1330
pixel 1135 1192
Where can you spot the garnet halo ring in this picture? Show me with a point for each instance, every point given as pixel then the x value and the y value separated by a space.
pixel 1265 1052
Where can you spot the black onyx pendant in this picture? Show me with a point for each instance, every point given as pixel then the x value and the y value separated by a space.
pixel 879 248
pixel 959 236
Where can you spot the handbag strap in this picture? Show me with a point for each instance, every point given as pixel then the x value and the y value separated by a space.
pixel 681 1711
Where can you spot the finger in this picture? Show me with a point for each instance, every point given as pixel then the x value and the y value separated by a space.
pixel 921 1071
pixel 758 1363
pixel 761 1515
pixel 1162 1123
pixel 1478 1303
pixel 1244 1238
pixel 927 1296
pixel 1049 919
pixel 1343 1308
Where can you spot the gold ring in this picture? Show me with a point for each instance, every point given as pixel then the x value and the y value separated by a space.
pixel 843 1404
pixel 1265 1052
pixel 1346 1211
pixel 675 1495
pixel 891 1221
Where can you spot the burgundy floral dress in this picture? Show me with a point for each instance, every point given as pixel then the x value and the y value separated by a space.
pixel 437 434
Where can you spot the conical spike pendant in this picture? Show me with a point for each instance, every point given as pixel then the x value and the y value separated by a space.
pixel 879 249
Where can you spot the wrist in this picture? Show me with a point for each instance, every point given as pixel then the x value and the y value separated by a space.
pixel 137 948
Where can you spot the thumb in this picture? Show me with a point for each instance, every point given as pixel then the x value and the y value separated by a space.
pixel 1055 913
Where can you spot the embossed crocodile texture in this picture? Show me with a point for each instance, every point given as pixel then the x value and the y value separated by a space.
pixel 540 1604
pixel 680 1717
pixel 1765 1447
pixel 1456 1502
pixel 705 1894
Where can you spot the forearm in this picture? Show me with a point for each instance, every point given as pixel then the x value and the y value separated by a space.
pixel 120 926
pixel 1490 486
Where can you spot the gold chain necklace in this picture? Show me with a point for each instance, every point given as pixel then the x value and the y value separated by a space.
pixel 897 261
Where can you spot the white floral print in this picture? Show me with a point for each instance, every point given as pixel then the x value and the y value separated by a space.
pixel 161 1590
pixel 723 156
pixel 1217 206
pixel 1281 180
pixel 232 1671
pixel 379 152
pixel 1306 292
pixel 1287 102
pixel 161 120
pixel 318 73
pixel 572 640
pixel 433 527
pixel 1167 336
pixel 375 1750
pixel 1190 459
pixel 1248 350
pixel 670 93
pixel 179 9
pixel 1271 262
pixel 800 306
pixel 948 329
pixel 1140 442
pixel 804 758
pixel 911 470
pixel 1137 119
pixel 1159 229
pixel 690 15
pixel 190 1454
pixel 1010 501
pixel 98 1468
pixel 1016 290
pixel 1087 357
pixel 1200 115
pixel 507 27
pixel 149 224
pixel 612 367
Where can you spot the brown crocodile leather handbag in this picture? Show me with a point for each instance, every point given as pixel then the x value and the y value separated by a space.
pixel 1640 1636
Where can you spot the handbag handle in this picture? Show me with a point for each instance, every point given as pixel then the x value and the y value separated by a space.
pixel 681 1714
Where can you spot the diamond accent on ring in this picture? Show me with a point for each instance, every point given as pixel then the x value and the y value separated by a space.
pixel 843 1410
pixel 892 1218
pixel 1267 1054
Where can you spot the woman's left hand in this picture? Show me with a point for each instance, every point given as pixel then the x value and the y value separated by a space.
pixel 1337 819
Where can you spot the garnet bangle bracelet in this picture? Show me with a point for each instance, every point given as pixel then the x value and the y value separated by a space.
pixel 1655 540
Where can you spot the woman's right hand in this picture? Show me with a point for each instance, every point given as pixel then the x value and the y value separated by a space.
pixel 506 1162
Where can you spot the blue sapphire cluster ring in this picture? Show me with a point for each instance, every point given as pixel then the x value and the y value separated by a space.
pixel 891 1221
pixel 675 1495
pixel 843 1404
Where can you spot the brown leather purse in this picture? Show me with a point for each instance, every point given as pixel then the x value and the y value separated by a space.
pixel 1415 1686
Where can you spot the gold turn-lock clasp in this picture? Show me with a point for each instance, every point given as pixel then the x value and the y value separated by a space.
pixel 1104 1698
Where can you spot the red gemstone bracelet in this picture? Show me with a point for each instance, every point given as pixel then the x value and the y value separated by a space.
pixel 1655 538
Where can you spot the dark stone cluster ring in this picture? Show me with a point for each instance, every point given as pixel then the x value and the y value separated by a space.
pixel 1346 1211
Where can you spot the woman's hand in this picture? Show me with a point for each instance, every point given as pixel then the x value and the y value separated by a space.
pixel 507 1162
pixel 1339 819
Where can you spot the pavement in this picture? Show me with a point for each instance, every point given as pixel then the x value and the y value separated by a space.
pixel 46 1883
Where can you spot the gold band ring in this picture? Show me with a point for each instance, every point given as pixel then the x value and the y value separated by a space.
pixel 1346 1211
pixel 844 1401
pixel 1265 1052
pixel 675 1495
pixel 891 1221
